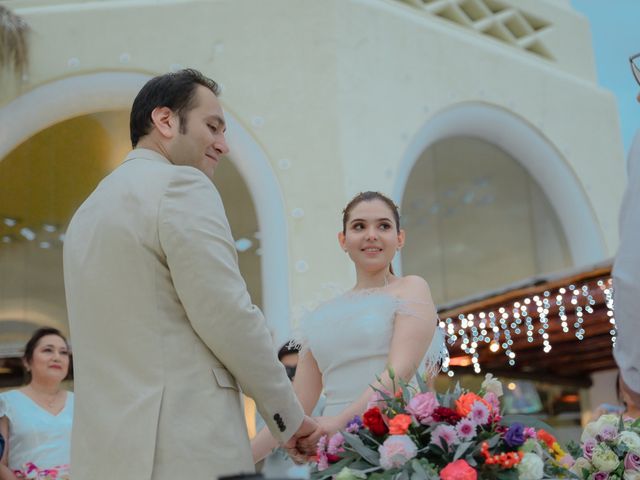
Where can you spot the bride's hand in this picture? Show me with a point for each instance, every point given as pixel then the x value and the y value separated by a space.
pixel 330 425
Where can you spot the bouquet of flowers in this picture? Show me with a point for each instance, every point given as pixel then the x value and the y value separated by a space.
pixel 610 450
pixel 417 434
pixel 31 471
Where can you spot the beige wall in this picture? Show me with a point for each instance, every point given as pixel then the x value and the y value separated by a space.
pixel 335 92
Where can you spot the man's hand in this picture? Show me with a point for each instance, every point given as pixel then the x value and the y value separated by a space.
pixel 303 443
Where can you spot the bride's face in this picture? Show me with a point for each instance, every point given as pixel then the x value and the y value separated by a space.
pixel 371 237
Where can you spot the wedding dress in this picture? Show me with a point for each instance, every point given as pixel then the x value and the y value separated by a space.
pixel 350 337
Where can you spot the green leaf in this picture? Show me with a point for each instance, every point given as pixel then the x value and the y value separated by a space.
pixel 367 453
pixel 461 450
pixel 333 469
pixel 422 385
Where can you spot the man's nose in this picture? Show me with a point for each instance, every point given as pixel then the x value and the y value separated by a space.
pixel 221 146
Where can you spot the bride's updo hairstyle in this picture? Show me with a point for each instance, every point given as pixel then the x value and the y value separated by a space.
pixel 369 196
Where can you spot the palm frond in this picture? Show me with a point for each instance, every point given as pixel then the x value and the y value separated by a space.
pixel 14 51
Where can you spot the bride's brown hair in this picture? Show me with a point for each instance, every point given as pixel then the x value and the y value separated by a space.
pixel 369 196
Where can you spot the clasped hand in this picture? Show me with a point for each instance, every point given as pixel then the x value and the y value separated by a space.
pixel 304 442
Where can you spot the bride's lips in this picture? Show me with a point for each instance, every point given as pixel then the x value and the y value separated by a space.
pixel 57 367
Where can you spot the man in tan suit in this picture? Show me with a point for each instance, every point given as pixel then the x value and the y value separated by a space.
pixel 164 332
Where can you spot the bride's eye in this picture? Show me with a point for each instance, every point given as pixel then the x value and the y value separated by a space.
pixel 358 226
pixel 385 226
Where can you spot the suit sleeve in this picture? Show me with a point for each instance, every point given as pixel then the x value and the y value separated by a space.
pixel 200 252
pixel 626 276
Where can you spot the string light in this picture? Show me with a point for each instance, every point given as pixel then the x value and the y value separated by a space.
pixel 531 318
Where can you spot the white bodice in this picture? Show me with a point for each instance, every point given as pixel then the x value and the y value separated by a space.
pixel 350 338
pixel 36 435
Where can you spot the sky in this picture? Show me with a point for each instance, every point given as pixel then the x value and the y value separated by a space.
pixel 615 30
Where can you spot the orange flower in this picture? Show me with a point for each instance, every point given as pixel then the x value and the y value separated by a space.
pixel 466 401
pixel 458 470
pixel 547 438
pixel 399 424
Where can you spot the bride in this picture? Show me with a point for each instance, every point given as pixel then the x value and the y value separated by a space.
pixel 385 321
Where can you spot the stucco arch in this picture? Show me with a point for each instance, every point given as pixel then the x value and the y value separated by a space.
pixel 70 97
pixel 535 153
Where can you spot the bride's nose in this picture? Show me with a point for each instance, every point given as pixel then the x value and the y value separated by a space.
pixel 372 234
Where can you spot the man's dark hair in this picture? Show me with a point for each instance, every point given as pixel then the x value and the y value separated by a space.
pixel 175 91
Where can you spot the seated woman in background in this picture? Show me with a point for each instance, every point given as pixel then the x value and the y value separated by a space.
pixel 35 420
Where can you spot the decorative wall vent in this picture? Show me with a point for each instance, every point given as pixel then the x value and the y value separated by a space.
pixel 494 18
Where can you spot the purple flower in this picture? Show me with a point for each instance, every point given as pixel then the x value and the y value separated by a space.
pixel 479 413
pixel 608 432
pixel 444 434
pixel 466 429
pixel 515 435
pixel 632 462
pixel 530 432
pixel 588 447
pixel 354 425
pixel 600 476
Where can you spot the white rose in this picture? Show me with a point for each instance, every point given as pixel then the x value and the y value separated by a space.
pixel 605 459
pixel 530 467
pixel 631 440
pixel 491 384
pixel 580 465
pixel 631 475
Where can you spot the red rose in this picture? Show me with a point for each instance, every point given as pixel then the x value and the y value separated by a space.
pixel 333 458
pixel 372 419
pixel 444 414
pixel 458 470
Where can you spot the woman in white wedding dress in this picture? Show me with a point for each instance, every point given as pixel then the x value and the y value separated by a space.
pixel 385 321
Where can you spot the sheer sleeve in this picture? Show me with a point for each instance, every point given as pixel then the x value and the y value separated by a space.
pixel 437 351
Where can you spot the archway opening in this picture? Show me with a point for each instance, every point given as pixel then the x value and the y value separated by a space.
pixel 477 220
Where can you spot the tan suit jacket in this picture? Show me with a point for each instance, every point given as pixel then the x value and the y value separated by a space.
pixel 163 332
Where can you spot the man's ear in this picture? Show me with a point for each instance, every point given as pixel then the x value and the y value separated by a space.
pixel 165 121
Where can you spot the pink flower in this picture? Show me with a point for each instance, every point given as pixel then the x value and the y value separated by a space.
pixel 479 413
pixel 335 444
pixel 588 447
pixel 530 432
pixel 321 453
pixel 396 451
pixel 566 461
pixel 422 406
pixel 444 434
pixel 466 429
pixel 632 462
pixel 493 400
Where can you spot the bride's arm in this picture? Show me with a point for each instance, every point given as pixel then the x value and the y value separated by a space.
pixel 307 384
pixel 412 334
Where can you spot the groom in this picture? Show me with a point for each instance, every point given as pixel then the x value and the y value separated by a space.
pixel 164 332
